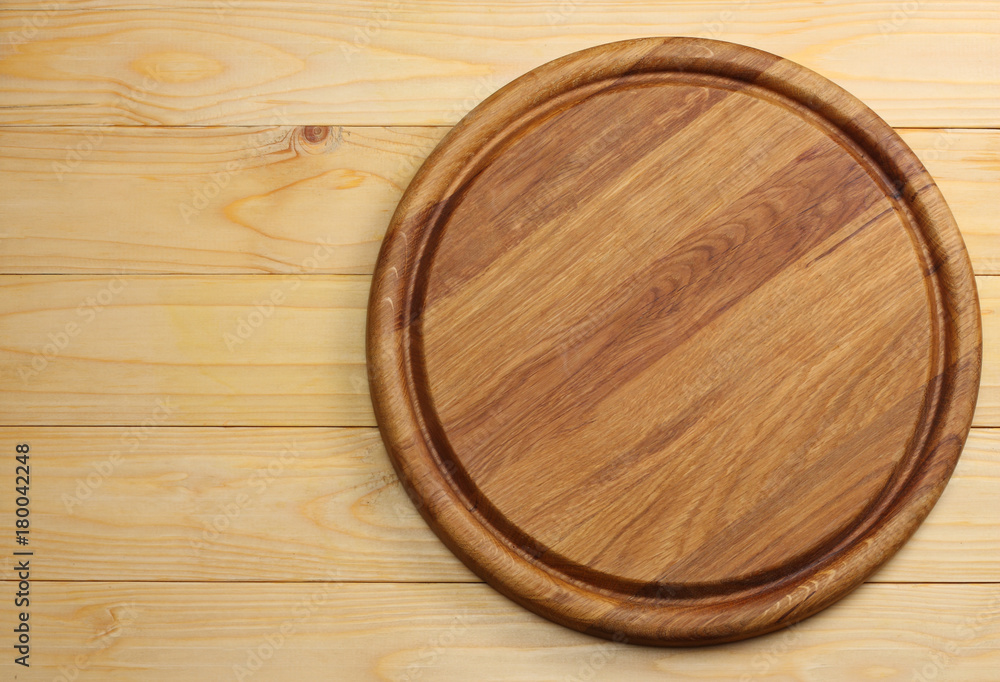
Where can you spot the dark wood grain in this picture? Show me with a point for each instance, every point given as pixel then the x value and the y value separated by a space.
pixel 673 341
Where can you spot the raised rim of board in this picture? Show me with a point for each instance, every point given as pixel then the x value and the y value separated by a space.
pixel 655 616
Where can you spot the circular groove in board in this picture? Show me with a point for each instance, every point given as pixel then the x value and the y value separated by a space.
pixel 673 341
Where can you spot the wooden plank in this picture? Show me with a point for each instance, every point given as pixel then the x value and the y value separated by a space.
pixel 957 542
pixel 201 199
pixel 72 195
pixel 217 350
pixel 932 63
pixel 221 504
pixel 965 164
pixel 286 504
pixel 456 633
pixel 281 350
pixel 988 406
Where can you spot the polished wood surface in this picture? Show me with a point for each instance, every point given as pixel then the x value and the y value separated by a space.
pixel 597 356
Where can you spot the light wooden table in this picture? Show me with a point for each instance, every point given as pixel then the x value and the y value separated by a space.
pixel 192 195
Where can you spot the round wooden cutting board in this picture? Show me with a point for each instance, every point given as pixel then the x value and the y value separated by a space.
pixel 673 341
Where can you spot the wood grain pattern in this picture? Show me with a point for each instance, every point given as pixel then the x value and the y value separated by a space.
pixel 582 326
pixel 294 504
pixel 70 195
pixel 222 504
pixel 67 391
pixel 965 165
pixel 428 63
pixel 923 63
pixel 202 200
pixel 159 350
pixel 988 405
pixel 456 633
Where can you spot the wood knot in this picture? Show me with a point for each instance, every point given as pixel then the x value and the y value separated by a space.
pixel 318 139
pixel 315 134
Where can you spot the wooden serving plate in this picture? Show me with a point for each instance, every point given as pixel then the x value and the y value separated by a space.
pixel 673 341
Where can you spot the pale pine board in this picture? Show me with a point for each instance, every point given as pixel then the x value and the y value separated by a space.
pixel 157 353
pixel 459 633
pixel 84 200
pixel 926 64
pixel 166 350
pixel 294 504
pixel 199 200
pixel 222 504
pixel 965 164
pixel 988 406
